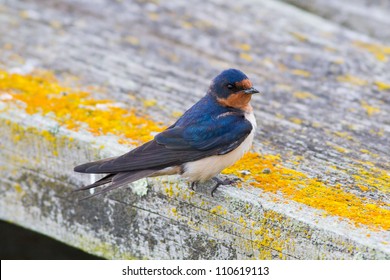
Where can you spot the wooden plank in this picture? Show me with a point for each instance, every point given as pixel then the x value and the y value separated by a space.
pixel 324 110
pixel 367 17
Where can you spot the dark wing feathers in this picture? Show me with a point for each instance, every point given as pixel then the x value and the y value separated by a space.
pixel 207 135
pixel 178 145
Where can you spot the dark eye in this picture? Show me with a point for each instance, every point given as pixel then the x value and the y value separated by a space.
pixel 230 86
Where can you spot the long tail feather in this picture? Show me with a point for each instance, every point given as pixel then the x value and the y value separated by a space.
pixel 105 180
pixel 122 179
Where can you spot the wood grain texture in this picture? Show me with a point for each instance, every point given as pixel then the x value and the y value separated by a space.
pixel 325 100
pixel 367 17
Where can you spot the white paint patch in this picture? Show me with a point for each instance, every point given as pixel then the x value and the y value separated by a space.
pixel 92 179
pixel 204 169
pixel 140 187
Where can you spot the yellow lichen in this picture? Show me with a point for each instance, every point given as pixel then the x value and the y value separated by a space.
pixel 364 151
pixel 268 237
pixel 300 72
pixel 132 40
pixel 244 47
pixel 370 110
pixel 303 95
pixel 246 56
pixel 371 176
pixel 169 191
pixel 153 16
pixel 150 102
pixel 298 57
pixel 24 14
pixel 74 109
pixel 187 25
pixel 296 120
pixel 218 210
pixel 18 188
pixel 380 52
pixel 299 187
pixel 52 143
pixel 363 188
pixel 176 114
pixel 338 61
pixel 242 221
pixel 337 148
pixel 382 85
pixel 352 80
pixel 299 36
pixel 56 24
pixel 343 134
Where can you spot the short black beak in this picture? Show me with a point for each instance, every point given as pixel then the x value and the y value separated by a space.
pixel 251 90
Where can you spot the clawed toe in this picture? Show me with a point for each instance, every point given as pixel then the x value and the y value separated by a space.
pixel 219 182
pixel 192 186
pixel 225 182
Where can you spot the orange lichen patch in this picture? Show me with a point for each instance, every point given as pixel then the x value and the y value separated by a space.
pixel 380 52
pixel 299 187
pixel 74 109
pixel 363 188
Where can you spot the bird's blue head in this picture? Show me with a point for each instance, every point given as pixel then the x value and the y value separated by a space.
pixel 232 88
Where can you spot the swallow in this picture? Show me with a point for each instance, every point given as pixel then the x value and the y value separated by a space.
pixel 210 136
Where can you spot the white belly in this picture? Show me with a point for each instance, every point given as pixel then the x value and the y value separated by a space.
pixel 206 168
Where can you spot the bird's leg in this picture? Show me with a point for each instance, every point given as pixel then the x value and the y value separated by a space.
pixel 225 182
pixel 193 185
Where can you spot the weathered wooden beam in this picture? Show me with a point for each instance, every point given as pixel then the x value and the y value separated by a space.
pixel 159 218
pixel 324 111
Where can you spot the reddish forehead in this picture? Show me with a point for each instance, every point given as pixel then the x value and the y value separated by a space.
pixel 245 84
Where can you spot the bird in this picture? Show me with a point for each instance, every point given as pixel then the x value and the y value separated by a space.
pixel 210 136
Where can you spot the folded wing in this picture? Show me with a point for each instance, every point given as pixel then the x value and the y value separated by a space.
pixel 178 145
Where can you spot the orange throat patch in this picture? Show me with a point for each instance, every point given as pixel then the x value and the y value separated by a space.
pixel 246 84
pixel 238 100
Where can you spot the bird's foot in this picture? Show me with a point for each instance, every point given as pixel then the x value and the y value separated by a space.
pixel 225 182
pixel 193 185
